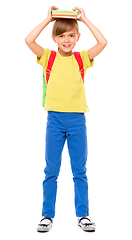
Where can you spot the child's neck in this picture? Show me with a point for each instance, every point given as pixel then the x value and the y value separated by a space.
pixel 65 54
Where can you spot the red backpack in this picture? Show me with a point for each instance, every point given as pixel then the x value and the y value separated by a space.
pixel 49 67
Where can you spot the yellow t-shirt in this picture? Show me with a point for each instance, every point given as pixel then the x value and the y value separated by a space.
pixel 65 90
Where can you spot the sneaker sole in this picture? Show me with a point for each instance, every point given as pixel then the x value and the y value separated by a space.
pixel 43 229
pixel 87 229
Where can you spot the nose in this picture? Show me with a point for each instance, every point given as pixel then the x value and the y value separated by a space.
pixel 66 39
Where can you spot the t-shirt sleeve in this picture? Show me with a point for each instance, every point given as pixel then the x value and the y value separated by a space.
pixel 86 61
pixel 43 61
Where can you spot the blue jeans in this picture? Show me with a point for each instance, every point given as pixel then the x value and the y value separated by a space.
pixel 61 127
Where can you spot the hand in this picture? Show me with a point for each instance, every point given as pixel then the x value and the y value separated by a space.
pixel 82 12
pixel 49 17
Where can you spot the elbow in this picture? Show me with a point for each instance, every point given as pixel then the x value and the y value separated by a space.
pixel 105 43
pixel 26 41
pixel 102 44
pixel 29 42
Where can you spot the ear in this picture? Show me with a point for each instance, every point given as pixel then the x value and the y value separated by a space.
pixel 54 39
pixel 78 36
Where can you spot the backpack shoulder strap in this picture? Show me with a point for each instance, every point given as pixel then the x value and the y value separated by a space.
pixel 44 90
pixel 50 64
pixel 80 63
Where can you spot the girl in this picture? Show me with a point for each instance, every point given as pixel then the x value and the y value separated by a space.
pixel 66 105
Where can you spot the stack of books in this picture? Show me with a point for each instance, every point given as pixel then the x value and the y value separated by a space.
pixel 63 13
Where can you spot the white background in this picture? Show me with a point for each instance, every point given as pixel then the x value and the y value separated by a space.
pixel 23 120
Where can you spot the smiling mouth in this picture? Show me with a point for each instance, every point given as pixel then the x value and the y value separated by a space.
pixel 67 45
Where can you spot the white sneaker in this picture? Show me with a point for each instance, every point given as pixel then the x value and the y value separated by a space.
pixel 86 224
pixel 45 225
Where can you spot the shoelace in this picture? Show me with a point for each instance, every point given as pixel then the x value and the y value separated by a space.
pixel 86 224
pixel 45 225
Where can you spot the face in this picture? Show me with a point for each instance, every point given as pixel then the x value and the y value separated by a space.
pixel 67 41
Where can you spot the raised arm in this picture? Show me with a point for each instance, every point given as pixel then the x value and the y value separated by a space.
pixel 101 41
pixel 30 39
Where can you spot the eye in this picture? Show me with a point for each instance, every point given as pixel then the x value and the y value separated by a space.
pixel 71 35
pixel 61 36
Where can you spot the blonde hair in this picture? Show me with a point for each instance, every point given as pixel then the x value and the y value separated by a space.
pixel 62 25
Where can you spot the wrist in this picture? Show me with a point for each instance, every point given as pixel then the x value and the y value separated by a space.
pixel 85 20
pixel 47 20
